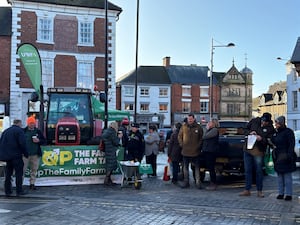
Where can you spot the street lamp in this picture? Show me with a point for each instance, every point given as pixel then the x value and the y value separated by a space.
pixel 136 60
pixel 279 58
pixel 211 73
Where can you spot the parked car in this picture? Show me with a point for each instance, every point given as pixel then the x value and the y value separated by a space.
pixel 230 157
pixel 297 146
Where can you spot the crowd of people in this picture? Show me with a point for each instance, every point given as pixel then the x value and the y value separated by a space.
pixel 189 145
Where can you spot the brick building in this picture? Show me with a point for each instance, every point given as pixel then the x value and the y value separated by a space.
pixel 5 42
pixel 176 90
pixel 70 37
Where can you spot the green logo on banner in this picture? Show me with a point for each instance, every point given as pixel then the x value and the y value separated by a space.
pixel 31 60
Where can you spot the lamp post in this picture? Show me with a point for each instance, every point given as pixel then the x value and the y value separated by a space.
pixel 106 68
pixel 136 60
pixel 211 73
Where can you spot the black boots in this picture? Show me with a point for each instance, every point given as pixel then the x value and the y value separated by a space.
pixel 32 187
pixel 108 181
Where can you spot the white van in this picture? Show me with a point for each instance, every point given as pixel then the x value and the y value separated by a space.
pixel 297 146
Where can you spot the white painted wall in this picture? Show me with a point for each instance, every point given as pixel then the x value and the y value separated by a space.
pixel 292 84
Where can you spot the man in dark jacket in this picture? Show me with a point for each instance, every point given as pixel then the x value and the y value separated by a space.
pixel 12 148
pixel 263 129
pixel 123 129
pixel 136 144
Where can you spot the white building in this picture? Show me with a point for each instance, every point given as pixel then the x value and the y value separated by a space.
pixel 292 88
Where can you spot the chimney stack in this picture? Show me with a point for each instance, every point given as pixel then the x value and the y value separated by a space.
pixel 166 61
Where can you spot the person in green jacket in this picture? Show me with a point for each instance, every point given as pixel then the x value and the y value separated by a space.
pixel 190 140
pixel 34 140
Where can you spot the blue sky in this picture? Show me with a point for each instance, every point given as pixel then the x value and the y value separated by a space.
pixel 183 30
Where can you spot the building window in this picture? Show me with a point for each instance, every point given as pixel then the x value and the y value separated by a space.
pixel 249 91
pixel 234 76
pixel 85 34
pixel 85 76
pixel 186 90
pixel 129 91
pixel 186 107
pixel 163 107
pixel 163 92
pixel 295 76
pixel 144 107
pixel 295 125
pixel 128 106
pixel 47 70
pixel 204 91
pixel 233 109
pixel 295 100
pixel 234 92
pixel 45 30
pixel 204 106
pixel 144 91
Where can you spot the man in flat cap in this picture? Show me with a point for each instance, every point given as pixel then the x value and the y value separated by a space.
pixel 136 144
pixel 263 129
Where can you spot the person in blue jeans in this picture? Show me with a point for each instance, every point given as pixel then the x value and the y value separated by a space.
pixel 263 129
pixel 284 158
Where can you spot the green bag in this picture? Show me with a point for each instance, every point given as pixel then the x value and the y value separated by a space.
pixel 145 168
pixel 269 164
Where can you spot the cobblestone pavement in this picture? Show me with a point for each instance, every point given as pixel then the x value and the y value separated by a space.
pixel 157 202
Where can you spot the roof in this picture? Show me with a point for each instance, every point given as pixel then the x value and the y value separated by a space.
pixel 5 21
pixel 146 75
pixel 188 74
pixel 246 70
pixel 296 54
pixel 100 4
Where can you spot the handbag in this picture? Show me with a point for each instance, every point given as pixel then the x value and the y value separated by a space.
pixel 285 157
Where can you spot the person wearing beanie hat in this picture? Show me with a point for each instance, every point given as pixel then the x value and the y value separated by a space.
pixel 284 158
pixel 263 130
pixel 30 120
pixel 125 121
pixel 34 140
pixel 280 120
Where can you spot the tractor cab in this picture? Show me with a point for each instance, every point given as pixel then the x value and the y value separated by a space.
pixel 69 119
